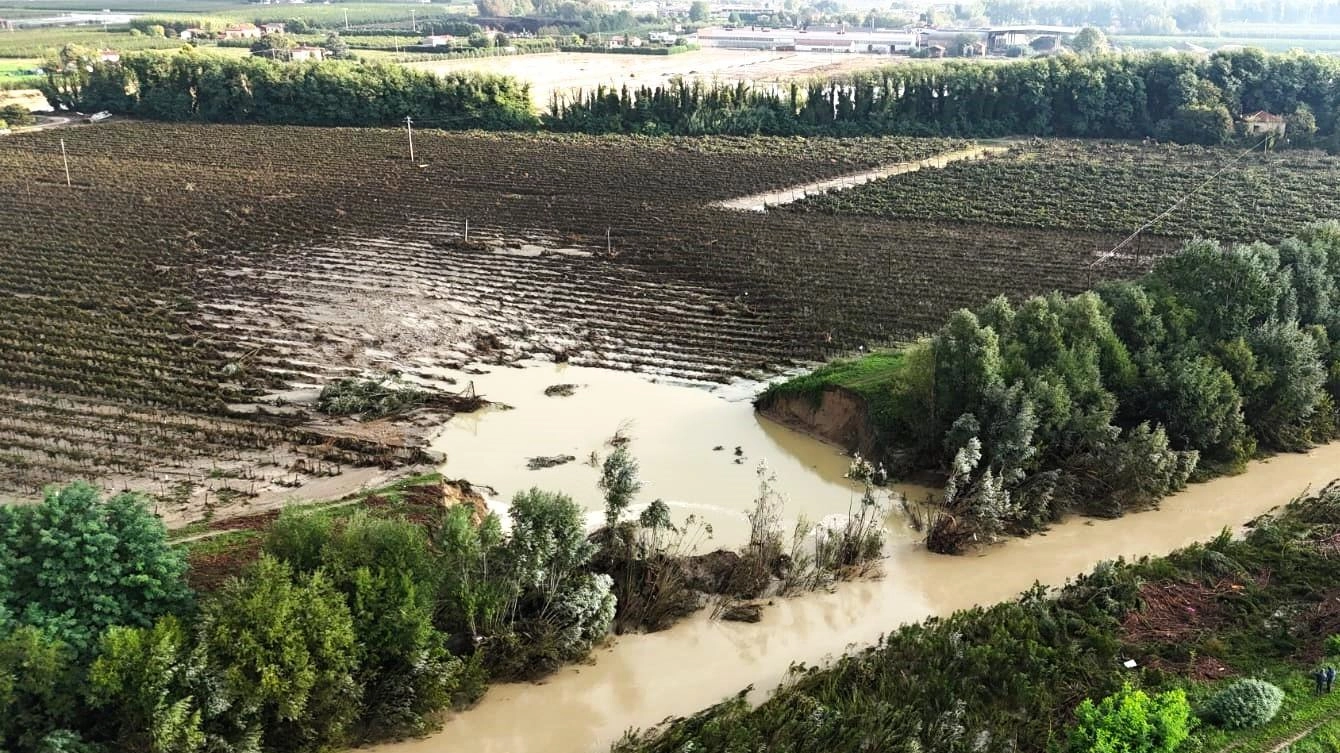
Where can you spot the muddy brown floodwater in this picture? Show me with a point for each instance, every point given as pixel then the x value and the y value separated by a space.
pixel 674 430
pixel 640 680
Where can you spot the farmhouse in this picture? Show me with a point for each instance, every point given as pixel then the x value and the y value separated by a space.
pixel 191 33
pixel 1262 122
pixel 437 40
pixel 241 31
pixel 275 28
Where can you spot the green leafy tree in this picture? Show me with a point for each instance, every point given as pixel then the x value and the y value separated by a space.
pixel 387 573
pixel 619 482
pixel 1131 721
pixel 476 588
pixel 1202 410
pixel 699 11
pixel 274 45
pixel 286 648
pixel 38 688
pixel 1090 41
pixel 1280 407
pixel 336 47
pixel 1228 291
pixel 66 74
pixel 140 681
pixel 548 552
pixel 74 566
pixel 967 363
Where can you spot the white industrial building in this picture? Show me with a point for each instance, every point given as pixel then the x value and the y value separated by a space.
pixel 877 41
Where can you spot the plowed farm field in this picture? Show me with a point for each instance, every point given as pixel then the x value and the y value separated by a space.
pixel 167 315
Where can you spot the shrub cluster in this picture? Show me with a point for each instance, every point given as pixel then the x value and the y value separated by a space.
pixel 1244 703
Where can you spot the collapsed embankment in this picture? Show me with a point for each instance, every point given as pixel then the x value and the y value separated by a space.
pixel 836 415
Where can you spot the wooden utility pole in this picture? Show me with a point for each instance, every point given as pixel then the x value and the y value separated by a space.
pixel 65 160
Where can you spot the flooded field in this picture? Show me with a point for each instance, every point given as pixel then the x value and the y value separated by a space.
pixel 642 679
pixel 684 436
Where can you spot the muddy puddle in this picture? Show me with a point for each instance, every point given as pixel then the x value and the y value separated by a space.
pixel 673 429
pixel 640 680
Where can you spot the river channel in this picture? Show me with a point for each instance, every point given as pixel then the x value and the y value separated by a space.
pixel 639 680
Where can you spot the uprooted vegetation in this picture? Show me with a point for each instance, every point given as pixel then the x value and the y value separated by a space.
pixel 369 398
pixel 1015 676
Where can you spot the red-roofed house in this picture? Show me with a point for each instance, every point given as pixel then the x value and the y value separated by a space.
pixel 1262 122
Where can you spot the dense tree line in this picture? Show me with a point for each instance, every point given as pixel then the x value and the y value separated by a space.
pixel 346 629
pixel 1176 97
pixel 190 86
pixel 1108 401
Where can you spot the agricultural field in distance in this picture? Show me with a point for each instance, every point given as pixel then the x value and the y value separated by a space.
pixel 1110 187
pixel 561 72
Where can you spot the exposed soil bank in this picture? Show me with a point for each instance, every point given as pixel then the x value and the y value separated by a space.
pixel 840 418
pixel 642 679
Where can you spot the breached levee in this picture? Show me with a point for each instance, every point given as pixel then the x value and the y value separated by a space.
pixel 759 202
pixel 640 680
pixel 839 417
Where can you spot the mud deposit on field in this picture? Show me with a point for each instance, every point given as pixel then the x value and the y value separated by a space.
pixel 685 437
pixel 644 678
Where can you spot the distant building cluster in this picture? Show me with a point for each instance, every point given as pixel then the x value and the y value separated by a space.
pixel 936 42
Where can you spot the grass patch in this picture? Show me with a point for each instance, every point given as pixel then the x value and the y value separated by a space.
pixel 1323 739
pixel 867 376
pixel 1302 709
pixel 224 542
pixel 881 379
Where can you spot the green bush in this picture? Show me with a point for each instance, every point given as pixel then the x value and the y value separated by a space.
pixel 1244 703
pixel 73 566
pixel 1132 721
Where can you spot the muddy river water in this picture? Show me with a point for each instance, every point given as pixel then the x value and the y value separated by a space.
pixel 640 680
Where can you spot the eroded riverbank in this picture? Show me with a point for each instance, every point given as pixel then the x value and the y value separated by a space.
pixel 639 680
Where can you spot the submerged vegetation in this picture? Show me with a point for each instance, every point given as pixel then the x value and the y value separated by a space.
pixel 1107 401
pixel 1049 671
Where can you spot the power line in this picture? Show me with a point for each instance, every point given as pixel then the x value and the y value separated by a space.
pixel 1176 205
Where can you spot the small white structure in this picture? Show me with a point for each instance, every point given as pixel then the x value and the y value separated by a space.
pixel 305 53
pixel 275 28
pixel 883 41
pixel 437 40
